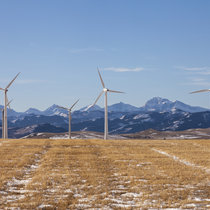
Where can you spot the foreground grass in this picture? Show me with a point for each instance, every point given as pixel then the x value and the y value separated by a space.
pixel 82 174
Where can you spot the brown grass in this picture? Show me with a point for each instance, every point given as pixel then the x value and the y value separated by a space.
pixel 116 174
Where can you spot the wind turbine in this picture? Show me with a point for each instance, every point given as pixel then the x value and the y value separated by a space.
pixel 2 111
pixel 69 110
pixel 105 91
pixel 5 106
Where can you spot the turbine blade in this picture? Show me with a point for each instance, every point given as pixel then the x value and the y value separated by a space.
pixel 88 107
pixel 115 91
pixel 1 88
pixel 12 81
pixel 200 91
pixel 102 82
pixel 61 107
pixel 8 104
pixel 95 101
pixel 74 104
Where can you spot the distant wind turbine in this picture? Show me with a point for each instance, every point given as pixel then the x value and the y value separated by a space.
pixel 105 90
pixel 5 106
pixel 69 110
pixel 2 111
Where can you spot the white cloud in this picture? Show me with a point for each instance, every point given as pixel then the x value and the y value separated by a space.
pixel 198 79
pixel 193 68
pixel 198 82
pixel 124 69
pixel 197 70
pixel 205 72
pixel 83 50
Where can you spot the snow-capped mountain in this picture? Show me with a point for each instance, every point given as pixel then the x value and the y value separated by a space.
pixel 55 110
pixel 122 107
pixel 91 108
pixel 158 104
pixel 133 122
pixel 33 111
pixel 158 113
pixel 52 110
pixel 155 104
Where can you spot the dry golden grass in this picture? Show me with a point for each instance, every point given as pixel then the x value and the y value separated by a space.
pixel 112 174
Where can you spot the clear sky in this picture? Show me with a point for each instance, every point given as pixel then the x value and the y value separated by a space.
pixel 145 48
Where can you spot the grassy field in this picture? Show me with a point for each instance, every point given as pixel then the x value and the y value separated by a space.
pixel 112 174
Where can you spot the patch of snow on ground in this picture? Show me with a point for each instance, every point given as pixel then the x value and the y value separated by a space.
pixel 44 206
pixel 132 195
pixel 59 137
pixel 188 137
pixel 182 161
pixel 143 164
pixel 15 187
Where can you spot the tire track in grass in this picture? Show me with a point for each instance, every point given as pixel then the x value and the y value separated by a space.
pixel 95 178
pixel 16 187
pixel 103 185
pixel 185 162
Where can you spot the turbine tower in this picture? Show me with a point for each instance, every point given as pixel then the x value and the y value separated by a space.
pixel 2 127
pixel 69 110
pixel 2 111
pixel 5 106
pixel 105 91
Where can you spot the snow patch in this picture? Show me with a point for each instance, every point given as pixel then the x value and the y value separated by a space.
pixel 182 161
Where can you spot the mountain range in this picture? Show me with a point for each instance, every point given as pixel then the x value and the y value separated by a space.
pixel 158 113
pixel 156 104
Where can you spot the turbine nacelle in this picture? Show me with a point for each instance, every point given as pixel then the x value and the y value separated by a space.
pixel 3 89
pixel 68 109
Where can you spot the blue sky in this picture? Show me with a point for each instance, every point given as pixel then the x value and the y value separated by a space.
pixel 145 48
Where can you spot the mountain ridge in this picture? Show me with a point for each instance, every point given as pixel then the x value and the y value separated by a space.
pixel 157 104
pixel 157 113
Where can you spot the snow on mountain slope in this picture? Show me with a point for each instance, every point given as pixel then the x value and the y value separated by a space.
pixel 122 107
pixel 33 111
pixel 158 104
pixel 55 110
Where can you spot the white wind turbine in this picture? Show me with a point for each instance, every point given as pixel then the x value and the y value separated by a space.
pixel 69 110
pixel 105 91
pixel 2 111
pixel 5 106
